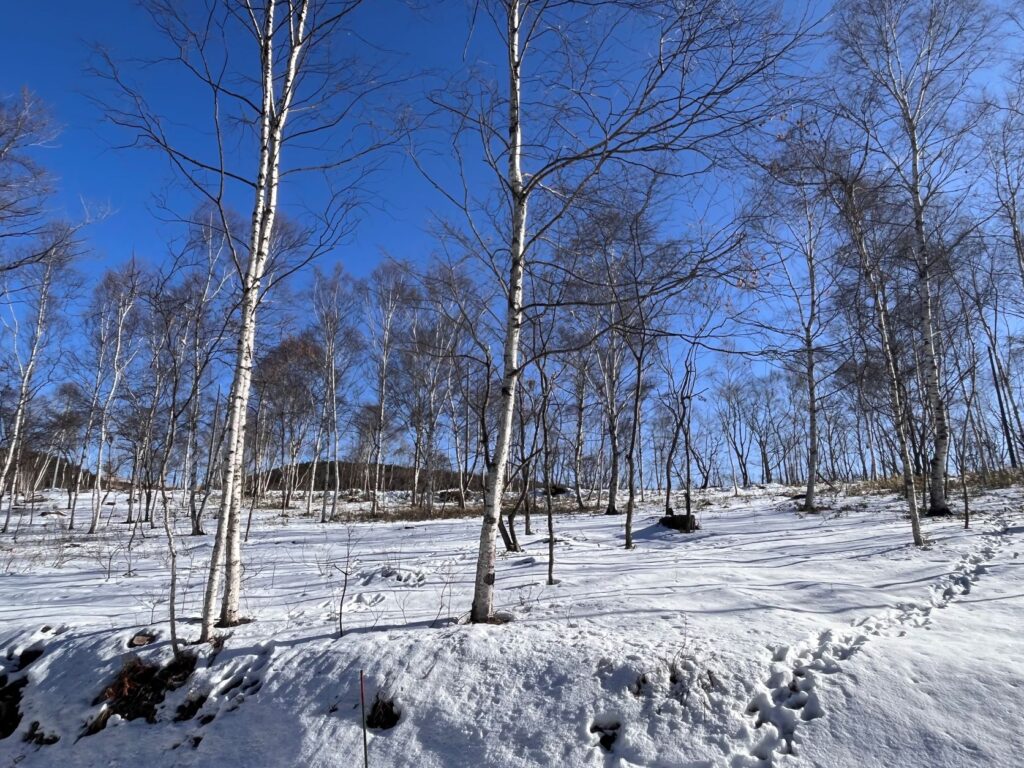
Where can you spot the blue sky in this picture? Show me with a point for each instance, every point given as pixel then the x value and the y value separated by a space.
pixel 48 49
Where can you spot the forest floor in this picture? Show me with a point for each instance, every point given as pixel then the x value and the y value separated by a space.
pixel 768 637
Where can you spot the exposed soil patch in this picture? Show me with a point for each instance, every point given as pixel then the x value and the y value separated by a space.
pixel 10 700
pixel 139 689
pixel 383 714
pixel 37 736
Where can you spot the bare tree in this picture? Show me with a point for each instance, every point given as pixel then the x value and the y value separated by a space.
pixel 855 199
pixel 911 65
pixel 341 342
pixel 789 217
pixel 293 87
pixel 387 296
pixel 122 297
pixel 26 236
pixel 708 77
pixel 27 350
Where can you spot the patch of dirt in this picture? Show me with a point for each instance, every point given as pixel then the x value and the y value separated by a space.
pixel 10 701
pixel 139 689
pixel 383 714
pixel 37 736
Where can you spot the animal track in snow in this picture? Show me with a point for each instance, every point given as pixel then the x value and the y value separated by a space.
pixel 221 690
pixel 606 728
pixel 402 577
pixel 365 601
pixel 789 696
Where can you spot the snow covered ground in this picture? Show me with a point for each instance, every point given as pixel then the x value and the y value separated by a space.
pixel 766 638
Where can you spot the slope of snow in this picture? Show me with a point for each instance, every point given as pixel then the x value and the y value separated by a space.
pixel 939 682
pixel 766 638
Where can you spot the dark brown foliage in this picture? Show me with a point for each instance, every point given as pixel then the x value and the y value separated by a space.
pixel 139 689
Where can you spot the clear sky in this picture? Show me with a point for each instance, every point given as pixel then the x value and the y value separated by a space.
pixel 47 47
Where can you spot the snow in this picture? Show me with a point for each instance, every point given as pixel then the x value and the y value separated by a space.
pixel 948 696
pixel 766 638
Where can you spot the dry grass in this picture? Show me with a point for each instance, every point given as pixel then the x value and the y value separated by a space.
pixel 139 688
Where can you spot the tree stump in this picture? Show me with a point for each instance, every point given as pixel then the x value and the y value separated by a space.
pixel 684 523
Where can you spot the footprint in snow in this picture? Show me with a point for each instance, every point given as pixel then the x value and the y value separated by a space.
pixel 365 600
pixel 789 695
pixel 401 576
pixel 606 727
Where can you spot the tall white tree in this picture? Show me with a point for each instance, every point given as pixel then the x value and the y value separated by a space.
pixel 910 68
pixel 586 86
pixel 27 346
pixel 276 67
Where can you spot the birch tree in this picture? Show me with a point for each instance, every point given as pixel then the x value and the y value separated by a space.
pixel 114 331
pixel 276 79
pixel 104 322
pixel 27 349
pixel 386 298
pixel 339 337
pixel 912 64
pixel 584 87
pixel 789 218
pixel 25 233
pixel 855 199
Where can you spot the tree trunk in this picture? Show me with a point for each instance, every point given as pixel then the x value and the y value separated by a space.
pixel 274 114
pixel 812 423
pixel 27 368
pixel 483 591
pixel 631 449
pixel 577 455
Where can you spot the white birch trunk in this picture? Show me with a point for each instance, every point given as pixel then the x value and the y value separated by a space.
pixel 24 389
pixel 483 587
pixel 124 307
pixel 227 543
pixel 936 402
pixel 895 381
